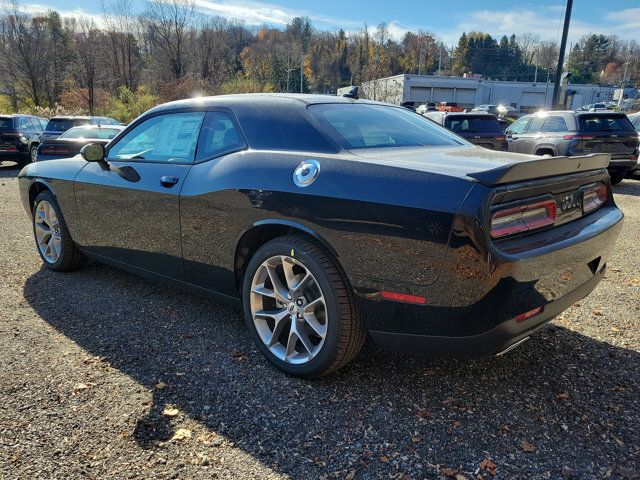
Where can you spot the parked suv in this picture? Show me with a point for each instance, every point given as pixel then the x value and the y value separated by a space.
pixel 482 129
pixel 568 133
pixel 58 125
pixel 19 137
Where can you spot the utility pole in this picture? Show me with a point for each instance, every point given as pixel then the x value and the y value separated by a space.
pixel 440 61
pixel 624 77
pixel 301 72
pixel 563 47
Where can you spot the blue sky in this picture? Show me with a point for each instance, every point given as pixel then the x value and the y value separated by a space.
pixel 445 18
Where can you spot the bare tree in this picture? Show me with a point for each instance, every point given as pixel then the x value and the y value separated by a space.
pixel 169 26
pixel 528 43
pixel 87 68
pixel 24 60
pixel 123 32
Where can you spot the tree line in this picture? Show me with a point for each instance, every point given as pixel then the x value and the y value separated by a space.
pixel 133 57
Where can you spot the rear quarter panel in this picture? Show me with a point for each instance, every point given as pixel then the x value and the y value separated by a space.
pixel 383 222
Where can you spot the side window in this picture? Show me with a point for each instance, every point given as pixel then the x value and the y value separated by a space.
pixel 518 126
pixel 555 124
pixel 219 135
pixel 164 138
pixel 535 125
pixel 24 123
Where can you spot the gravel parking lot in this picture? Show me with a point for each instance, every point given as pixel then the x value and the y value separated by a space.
pixel 106 375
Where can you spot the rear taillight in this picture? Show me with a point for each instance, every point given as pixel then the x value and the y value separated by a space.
pixel 501 138
pixel 54 151
pixel 523 218
pixel 593 197
pixel 579 137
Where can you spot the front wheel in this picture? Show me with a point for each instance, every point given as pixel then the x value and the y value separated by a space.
pixel 300 308
pixel 55 245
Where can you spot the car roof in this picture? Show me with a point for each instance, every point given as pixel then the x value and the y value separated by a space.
pixel 259 99
pixel 88 127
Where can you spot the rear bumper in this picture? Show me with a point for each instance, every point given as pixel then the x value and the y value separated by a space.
pixel 472 309
pixel 491 342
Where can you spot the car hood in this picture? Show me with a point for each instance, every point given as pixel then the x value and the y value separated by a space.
pixel 452 161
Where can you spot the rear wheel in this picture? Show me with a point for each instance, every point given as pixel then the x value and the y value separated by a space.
pixel 300 308
pixel 33 152
pixel 55 245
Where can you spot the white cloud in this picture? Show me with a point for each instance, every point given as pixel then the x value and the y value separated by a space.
pixel 41 9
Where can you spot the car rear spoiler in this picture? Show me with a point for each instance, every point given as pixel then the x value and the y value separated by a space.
pixel 541 167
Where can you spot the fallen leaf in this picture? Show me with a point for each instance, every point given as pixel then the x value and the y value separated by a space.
pixel 460 477
pixel 170 411
pixel 80 386
pixel 160 385
pixel 489 466
pixel 448 472
pixel 597 313
pixel 384 459
pixel 423 413
pixel 181 434
pixel 563 396
pixel 416 439
pixel 528 447
pixel 351 475
pixel 239 356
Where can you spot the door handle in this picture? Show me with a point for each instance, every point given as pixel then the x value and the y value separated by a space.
pixel 168 182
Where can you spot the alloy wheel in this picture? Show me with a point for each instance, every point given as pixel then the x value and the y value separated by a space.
pixel 47 230
pixel 288 309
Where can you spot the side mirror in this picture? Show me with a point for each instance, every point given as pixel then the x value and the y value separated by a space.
pixel 94 152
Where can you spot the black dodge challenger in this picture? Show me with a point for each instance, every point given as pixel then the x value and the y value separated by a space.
pixel 327 218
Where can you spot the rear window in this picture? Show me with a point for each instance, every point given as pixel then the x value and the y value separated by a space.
pixel 376 126
pixel 472 124
pixel 101 133
pixel 64 124
pixel 282 127
pixel 6 123
pixel 604 123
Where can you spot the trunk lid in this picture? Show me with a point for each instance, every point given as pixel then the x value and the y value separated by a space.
pixel 486 166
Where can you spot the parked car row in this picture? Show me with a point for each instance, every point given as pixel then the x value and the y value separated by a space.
pixel 21 135
pixel 555 133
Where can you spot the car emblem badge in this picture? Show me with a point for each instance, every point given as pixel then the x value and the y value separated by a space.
pixel 306 173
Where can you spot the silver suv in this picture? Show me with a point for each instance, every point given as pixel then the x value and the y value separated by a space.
pixel 568 133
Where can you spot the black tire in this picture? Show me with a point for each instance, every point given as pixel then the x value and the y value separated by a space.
pixel 33 149
pixel 617 176
pixel 346 331
pixel 71 258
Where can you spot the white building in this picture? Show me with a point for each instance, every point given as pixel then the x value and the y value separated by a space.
pixel 470 92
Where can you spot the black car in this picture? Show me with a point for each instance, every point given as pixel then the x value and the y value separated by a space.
pixel 568 133
pixel 325 218
pixel 19 137
pixel 483 129
pixel 60 124
pixel 71 142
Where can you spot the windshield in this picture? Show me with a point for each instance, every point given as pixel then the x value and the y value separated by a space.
pixel 101 133
pixel 605 123
pixel 377 126
pixel 472 124
pixel 64 124
pixel 6 123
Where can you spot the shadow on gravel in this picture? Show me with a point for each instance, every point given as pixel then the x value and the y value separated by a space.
pixel 9 170
pixel 576 400
pixel 628 187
